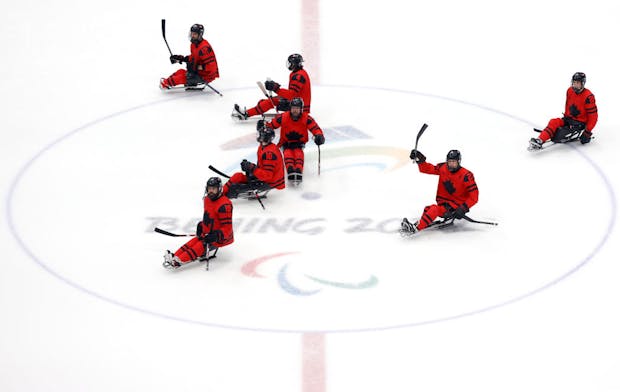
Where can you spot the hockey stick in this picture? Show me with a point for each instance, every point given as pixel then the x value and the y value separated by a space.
pixel 164 232
pixel 319 147
pixel 163 33
pixel 211 87
pixel 219 172
pixel 420 132
pixel 227 176
pixel 468 219
pixel 262 88
pixel 258 198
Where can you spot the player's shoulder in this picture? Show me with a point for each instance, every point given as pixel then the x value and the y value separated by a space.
pixel 300 76
pixel 467 174
pixel 224 203
pixel 273 147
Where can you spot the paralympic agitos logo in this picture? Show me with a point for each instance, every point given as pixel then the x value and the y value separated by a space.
pixel 290 275
pixel 306 284
pixel 250 269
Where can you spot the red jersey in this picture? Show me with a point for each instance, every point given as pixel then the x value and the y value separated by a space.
pixel 217 218
pixel 298 86
pixel 202 59
pixel 581 107
pixel 453 188
pixel 294 133
pixel 270 166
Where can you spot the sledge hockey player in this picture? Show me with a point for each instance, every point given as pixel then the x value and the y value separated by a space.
pixel 298 86
pixel 580 117
pixel 457 191
pixel 266 174
pixel 214 231
pixel 295 125
pixel 201 63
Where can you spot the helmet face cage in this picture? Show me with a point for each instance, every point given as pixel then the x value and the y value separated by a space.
pixel 213 182
pixel 265 135
pixel 196 28
pixel 297 102
pixel 456 156
pixel 579 77
pixel 294 62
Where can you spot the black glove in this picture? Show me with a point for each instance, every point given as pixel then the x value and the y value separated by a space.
pixel 284 105
pixel 248 167
pixel 177 58
pixel 585 137
pixel 271 85
pixel 210 238
pixel 319 139
pixel 260 124
pixel 199 230
pixel 417 156
pixel 460 212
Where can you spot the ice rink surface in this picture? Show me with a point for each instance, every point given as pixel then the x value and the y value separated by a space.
pixel 318 292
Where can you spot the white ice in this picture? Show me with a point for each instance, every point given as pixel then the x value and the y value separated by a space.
pixel 94 155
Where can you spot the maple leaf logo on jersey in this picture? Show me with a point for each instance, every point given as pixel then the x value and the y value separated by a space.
pixel 449 186
pixel 574 111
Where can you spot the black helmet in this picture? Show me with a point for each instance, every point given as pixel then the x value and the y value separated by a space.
pixel 214 181
pixel 265 134
pixel 579 77
pixel 454 155
pixel 294 62
pixel 196 28
pixel 297 102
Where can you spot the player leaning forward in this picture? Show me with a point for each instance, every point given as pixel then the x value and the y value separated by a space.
pixel 212 232
pixel 457 191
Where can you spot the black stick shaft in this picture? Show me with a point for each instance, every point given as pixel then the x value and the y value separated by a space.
pixel 219 172
pixel 262 88
pixel 468 219
pixel 420 132
pixel 164 232
pixel 259 200
pixel 163 33
pixel 217 92
pixel 227 176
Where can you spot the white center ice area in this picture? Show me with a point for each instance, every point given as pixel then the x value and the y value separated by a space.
pixel 318 292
